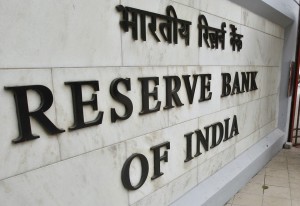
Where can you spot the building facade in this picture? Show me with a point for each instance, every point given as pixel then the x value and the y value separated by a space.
pixel 139 102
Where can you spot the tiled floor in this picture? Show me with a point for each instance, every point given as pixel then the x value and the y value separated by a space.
pixel 278 184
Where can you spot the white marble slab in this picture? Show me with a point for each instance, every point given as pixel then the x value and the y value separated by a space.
pixel 83 140
pixel 192 3
pixel 274 29
pixel 260 48
pixel 89 179
pixel 156 198
pixel 21 157
pixel 151 52
pixel 216 7
pixel 268 109
pixel 208 56
pixel 248 114
pixel 269 82
pixel 253 20
pixel 266 129
pixel 155 6
pixel 215 163
pixel 254 44
pixel 172 169
pixel 172 191
pixel 196 109
pixel 59 33
pixel 222 8
pixel 273 51
pixel 181 185
pixel 246 143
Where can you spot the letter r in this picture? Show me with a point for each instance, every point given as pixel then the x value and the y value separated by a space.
pixel 23 113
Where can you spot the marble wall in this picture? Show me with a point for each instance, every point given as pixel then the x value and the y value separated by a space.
pixel 52 42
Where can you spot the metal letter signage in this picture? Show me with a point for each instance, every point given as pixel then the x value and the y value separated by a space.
pixel 215 141
pixel 216 36
pixel 169 28
pixel 78 104
pixel 125 177
pixel 23 113
pixel 235 39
